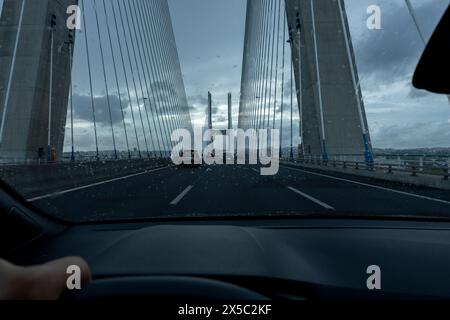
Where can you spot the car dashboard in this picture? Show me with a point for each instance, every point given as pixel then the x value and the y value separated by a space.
pixel 255 259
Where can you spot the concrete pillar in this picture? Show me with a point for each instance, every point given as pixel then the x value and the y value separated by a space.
pixel 230 113
pixel 26 125
pixel 344 117
pixel 209 110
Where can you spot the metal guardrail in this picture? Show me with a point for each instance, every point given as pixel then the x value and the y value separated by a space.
pixel 78 160
pixel 410 167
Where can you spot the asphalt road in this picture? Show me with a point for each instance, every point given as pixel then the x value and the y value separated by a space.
pixel 240 190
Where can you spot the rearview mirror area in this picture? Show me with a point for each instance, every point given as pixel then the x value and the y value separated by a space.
pixel 433 71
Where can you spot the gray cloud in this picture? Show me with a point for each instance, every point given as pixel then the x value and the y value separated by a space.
pixel 417 94
pixel 83 108
pixel 421 134
pixel 221 118
pixel 198 100
pixel 394 51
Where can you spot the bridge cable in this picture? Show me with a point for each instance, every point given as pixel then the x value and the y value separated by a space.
pixel 261 71
pixel 276 64
pixel 177 67
pixel 247 67
pixel 258 83
pixel 161 85
pixel 182 89
pixel 71 44
pixel 300 78
pixel 127 82
pixel 105 78
pixel 143 59
pixel 255 60
pixel 162 71
pixel 127 46
pixel 259 65
pixel 149 85
pixel 90 81
pixel 292 103
pixel 178 70
pixel 272 63
pixel 174 74
pixel 282 79
pixel 262 66
pixel 266 66
pixel 156 95
pixel 119 94
pixel 168 63
pixel 257 49
pixel 245 70
pixel 140 69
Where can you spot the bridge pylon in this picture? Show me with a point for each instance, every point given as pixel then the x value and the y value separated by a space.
pixel 332 116
pixel 25 59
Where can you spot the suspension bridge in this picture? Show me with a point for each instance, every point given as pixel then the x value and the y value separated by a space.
pixel 321 74
pixel 131 79
pixel 106 98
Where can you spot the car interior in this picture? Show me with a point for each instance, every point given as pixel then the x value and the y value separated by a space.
pixel 247 258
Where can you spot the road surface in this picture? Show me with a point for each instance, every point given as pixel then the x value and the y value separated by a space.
pixel 240 190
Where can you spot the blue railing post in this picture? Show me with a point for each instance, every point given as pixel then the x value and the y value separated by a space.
pixel 325 151
pixel 367 150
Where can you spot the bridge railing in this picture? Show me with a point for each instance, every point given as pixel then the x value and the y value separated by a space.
pixel 86 157
pixel 389 164
pixel 31 180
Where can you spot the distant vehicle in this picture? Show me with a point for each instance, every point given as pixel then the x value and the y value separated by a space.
pixel 194 155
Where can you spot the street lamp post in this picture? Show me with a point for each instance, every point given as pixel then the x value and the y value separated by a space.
pixel 50 97
pixel 291 42
pixel 291 156
pixel 300 81
pixel 70 44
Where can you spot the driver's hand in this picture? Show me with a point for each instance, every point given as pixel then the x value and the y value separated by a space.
pixel 44 282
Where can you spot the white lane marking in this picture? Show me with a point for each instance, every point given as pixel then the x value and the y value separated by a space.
pixel 256 170
pixel 320 203
pixel 60 193
pixel 181 196
pixel 307 196
pixel 371 186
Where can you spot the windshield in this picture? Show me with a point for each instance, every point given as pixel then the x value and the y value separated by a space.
pixel 134 109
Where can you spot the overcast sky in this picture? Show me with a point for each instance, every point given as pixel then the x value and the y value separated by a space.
pixel 399 116
pixel 210 38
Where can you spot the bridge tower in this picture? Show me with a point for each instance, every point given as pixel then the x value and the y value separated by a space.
pixel 334 120
pixel 25 37
pixel 332 117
